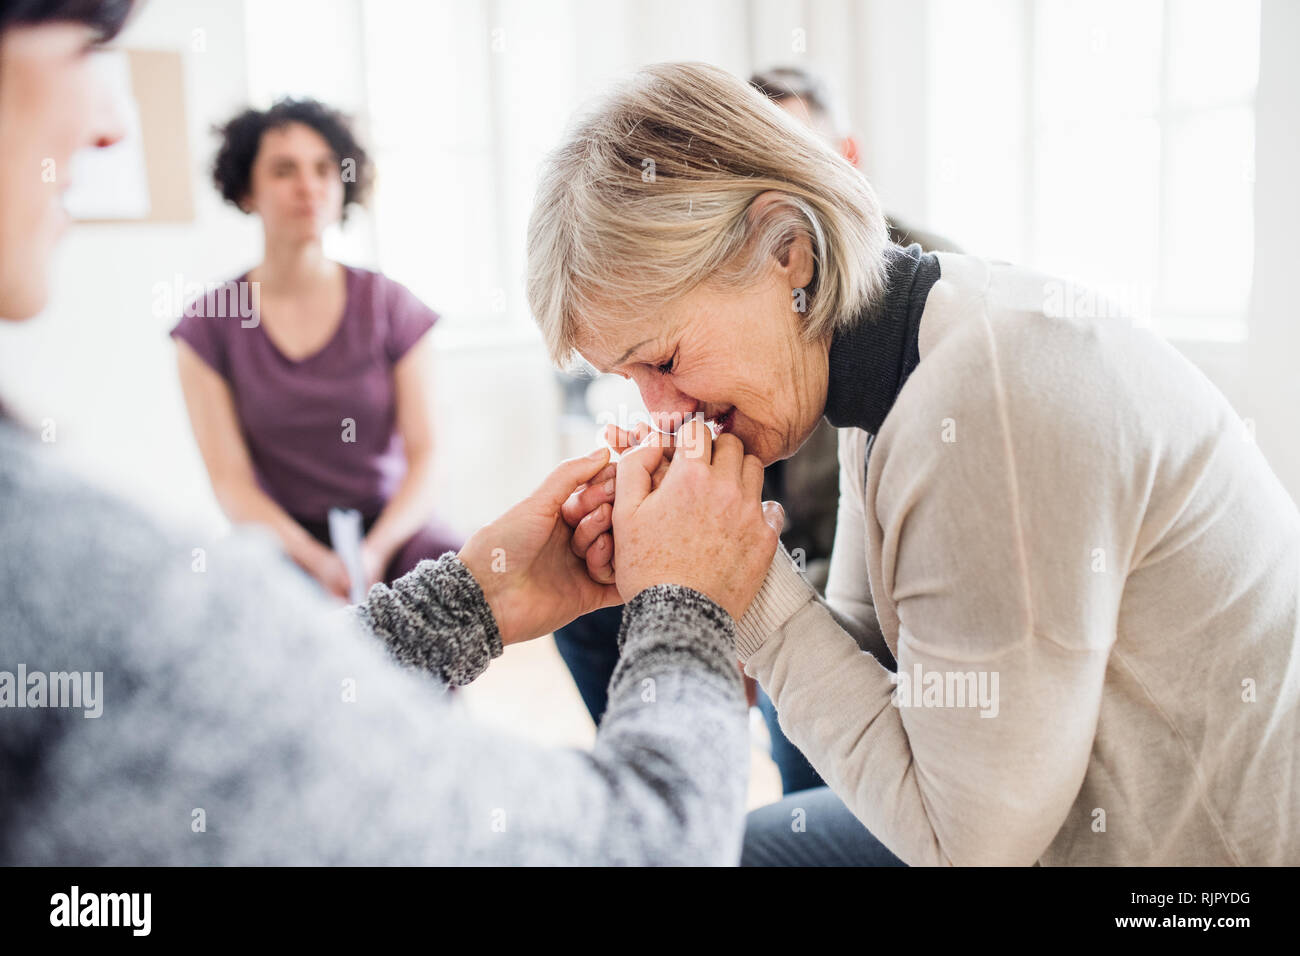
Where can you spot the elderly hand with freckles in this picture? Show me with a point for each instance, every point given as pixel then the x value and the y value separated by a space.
pixel 685 509
pixel 592 510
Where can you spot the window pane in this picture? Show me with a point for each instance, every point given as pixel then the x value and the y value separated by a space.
pixel 430 116
pixel 437 232
pixel 1095 59
pixel 1213 51
pixel 322 61
pixel 1209 223
pixel 1097 206
pixel 427 73
pixel 977 126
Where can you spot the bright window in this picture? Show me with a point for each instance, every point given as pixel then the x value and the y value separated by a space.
pixel 1111 141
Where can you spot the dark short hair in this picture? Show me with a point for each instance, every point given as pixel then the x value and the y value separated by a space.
pixel 241 137
pixel 794 82
pixel 106 17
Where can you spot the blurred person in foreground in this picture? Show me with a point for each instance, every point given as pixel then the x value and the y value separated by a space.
pixel 313 735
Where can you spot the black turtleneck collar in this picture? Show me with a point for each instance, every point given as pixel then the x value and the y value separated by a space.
pixel 871 359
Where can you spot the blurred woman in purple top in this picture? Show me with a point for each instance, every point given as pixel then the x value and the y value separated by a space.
pixel 316 392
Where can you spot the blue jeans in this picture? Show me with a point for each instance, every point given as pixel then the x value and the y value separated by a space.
pixel 589 647
pixel 811 828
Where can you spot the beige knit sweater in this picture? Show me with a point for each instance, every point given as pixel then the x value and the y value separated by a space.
pixel 1063 519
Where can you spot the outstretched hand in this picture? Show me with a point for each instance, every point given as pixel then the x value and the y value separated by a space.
pixel 524 561
pixel 590 509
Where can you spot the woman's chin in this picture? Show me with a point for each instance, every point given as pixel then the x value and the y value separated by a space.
pixel 761 449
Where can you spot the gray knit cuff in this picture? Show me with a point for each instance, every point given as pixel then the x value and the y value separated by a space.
pixel 435 618
pixel 673 616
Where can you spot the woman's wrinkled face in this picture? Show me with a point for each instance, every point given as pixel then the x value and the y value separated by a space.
pixel 734 357
pixel 296 183
pixel 52 104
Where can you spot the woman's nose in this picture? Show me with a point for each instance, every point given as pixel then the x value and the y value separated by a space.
pixel 669 408
pixel 312 185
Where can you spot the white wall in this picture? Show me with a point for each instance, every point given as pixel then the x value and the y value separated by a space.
pixel 1273 348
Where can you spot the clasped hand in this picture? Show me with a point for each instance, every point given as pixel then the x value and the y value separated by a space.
pixel 683 509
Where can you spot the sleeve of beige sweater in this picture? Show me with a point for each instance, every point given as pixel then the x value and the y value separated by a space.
pixel 988 552
pixel 847 594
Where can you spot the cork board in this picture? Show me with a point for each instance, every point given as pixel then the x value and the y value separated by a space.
pixel 158 81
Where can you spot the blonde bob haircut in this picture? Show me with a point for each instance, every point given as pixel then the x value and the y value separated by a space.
pixel 652 192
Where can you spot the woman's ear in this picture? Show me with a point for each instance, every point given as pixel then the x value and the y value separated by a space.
pixel 795 257
pixel 799 261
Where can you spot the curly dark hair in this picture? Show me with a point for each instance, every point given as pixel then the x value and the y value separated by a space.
pixel 241 138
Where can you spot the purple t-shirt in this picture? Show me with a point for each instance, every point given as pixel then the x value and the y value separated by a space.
pixel 295 414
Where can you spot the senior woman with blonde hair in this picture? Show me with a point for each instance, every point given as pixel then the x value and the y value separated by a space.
pixel 1051 520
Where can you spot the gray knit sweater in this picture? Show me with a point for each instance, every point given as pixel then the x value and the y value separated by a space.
pixel 244 721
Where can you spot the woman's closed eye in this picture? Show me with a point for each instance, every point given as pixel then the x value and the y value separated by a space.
pixel 665 368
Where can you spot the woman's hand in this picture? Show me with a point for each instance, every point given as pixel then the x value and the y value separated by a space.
pixel 590 510
pixel 373 564
pixel 327 567
pixel 704 527
pixel 525 564
pixel 624 440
